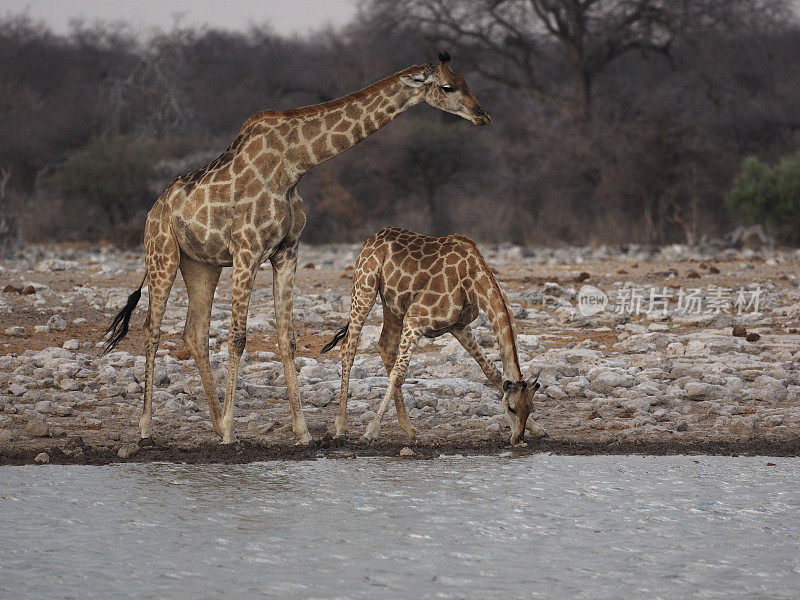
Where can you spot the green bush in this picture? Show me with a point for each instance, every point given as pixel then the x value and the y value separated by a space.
pixel 769 195
pixel 113 174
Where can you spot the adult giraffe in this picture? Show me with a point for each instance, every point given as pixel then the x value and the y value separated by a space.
pixel 244 208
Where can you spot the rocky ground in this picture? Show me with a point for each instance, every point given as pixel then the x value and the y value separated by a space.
pixel 718 376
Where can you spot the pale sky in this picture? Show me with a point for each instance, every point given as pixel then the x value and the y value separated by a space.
pixel 289 16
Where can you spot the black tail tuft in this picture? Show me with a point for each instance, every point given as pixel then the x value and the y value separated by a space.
pixel 119 327
pixel 336 339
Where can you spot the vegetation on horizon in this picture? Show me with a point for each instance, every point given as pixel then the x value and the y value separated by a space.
pixel 615 121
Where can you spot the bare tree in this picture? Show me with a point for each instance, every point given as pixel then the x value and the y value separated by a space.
pixel 518 42
pixel 9 231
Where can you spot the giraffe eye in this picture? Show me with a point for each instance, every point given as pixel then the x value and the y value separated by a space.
pixel 448 89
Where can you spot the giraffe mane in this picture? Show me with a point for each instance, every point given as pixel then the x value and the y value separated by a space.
pixel 311 109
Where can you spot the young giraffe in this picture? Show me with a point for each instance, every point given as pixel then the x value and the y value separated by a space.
pixel 430 286
pixel 244 208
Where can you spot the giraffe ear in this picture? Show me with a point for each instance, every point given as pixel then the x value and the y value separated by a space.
pixel 414 80
pixel 534 383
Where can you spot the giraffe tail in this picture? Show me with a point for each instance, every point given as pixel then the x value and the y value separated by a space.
pixel 119 326
pixel 336 339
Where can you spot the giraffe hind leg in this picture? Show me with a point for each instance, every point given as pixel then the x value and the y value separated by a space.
pixel 387 347
pixel 201 281
pixel 161 260
pixel 365 289
pixel 284 267
pixel 413 329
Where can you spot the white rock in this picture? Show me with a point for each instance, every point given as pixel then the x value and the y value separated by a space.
pixel 696 347
pixel 769 389
pixel 54 264
pixel 321 396
pixel 37 428
pixel 127 451
pixel 676 349
pixel 605 381
pixel 581 355
pixel 529 341
pixel 700 391
pixel 72 345
pixel 56 323
pixel 16 389
pixel 69 385
pixel 119 358
pixel 62 411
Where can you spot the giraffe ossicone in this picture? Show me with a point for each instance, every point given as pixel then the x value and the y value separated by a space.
pixel 431 286
pixel 244 208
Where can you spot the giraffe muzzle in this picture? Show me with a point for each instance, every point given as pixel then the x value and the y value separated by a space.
pixel 480 117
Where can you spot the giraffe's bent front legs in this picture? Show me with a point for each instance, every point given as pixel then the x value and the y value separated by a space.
pixel 412 331
pixel 284 265
pixel 467 340
pixel 465 337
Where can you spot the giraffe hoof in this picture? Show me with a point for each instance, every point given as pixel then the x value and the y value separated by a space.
pixel 340 440
pixel 227 440
pixel 146 442
pixel 304 439
pixel 366 440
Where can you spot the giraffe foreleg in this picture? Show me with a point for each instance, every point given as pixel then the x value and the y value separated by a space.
pixel 467 339
pixel 244 271
pixel 284 265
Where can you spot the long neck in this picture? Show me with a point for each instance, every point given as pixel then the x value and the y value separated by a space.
pixel 492 302
pixel 325 130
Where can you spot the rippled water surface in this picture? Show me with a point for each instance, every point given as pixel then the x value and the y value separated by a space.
pixel 486 527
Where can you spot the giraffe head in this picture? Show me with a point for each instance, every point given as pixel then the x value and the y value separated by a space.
pixel 518 403
pixel 445 89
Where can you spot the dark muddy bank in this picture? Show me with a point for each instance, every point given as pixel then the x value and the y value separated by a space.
pixel 77 451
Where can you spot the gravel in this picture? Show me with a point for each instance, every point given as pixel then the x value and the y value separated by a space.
pixel 605 376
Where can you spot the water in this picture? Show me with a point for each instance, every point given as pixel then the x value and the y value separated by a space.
pixel 485 527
